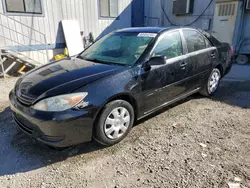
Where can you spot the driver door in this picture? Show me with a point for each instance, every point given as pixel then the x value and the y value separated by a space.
pixel 152 82
pixel 165 82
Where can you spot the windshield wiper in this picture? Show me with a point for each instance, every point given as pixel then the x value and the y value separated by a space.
pixel 100 61
pixel 96 60
pixel 80 57
pixel 92 60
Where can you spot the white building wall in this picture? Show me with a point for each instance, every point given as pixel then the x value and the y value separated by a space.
pixel 85 11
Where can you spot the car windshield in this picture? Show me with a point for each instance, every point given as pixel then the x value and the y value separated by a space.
pixel 118 48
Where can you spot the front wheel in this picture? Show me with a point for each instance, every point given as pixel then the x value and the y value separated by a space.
pixel 114 123
pixel 212 84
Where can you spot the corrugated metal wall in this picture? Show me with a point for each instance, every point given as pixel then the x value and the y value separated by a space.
pixel 85 11
pixel 154 12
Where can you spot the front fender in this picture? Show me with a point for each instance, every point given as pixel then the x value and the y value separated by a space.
pixel 126 83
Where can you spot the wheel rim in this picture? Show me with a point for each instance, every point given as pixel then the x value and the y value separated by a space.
pixel 117 123
pixel 214 81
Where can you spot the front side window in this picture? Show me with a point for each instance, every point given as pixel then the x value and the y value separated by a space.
pixel 24 6
pixel 109 8
pixel 118 48
pixel 170 45
pixel 195 41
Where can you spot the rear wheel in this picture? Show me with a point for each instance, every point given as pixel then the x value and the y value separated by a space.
pixel 114 123
pixel 242 59
pixel 212 84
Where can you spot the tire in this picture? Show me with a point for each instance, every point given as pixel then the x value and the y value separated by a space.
pixel 207 89
pixel 242 60
pixel 114 122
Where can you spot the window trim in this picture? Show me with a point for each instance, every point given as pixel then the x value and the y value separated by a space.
pixel 160 38
pixel 108 17
pixel 208 41
pixel 17 13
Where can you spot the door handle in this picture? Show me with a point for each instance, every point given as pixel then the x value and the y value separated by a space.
pixel 213 55
pixel 183 65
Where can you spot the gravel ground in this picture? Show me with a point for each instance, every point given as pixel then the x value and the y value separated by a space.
pixel 198 142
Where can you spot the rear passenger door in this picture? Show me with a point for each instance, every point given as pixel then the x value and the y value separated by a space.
pixel 201 56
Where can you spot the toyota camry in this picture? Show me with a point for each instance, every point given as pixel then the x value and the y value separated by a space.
pixel 124 76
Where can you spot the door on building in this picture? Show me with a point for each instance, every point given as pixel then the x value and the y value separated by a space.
pixel 224 20
pixel 138 13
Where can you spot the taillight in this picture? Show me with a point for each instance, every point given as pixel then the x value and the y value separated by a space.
pixel 232 50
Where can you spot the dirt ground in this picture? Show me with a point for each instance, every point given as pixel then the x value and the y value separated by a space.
pixel 199 142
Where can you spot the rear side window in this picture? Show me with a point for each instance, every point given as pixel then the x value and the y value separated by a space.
pixel 211 39
pixel 170 45
pixel 195 41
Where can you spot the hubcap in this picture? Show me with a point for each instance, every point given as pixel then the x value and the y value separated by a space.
pixel 214 82
pixel 117 123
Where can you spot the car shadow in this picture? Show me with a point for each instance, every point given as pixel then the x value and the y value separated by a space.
pixel 234 92
pixel 20 153
pixel 235 87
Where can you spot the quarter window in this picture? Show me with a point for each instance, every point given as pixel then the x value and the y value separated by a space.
pixel 170 46
pixel 24 6
pixel 109 8
pixel 195 41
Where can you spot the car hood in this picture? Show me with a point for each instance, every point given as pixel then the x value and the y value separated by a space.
pixel 63 77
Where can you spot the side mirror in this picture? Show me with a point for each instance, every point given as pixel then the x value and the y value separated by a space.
pixel 157 60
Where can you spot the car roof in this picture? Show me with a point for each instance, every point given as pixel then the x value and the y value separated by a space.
pixel 148 29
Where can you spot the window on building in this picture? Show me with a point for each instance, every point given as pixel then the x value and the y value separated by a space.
pixel 109 8
pixel 24 6
pixel 195 41
pixel 170 46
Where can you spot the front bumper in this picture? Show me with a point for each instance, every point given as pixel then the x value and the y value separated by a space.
pixel 57 129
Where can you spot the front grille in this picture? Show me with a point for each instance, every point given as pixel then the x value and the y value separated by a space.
pixel 24 99
pixel 23 127
pixel 20 93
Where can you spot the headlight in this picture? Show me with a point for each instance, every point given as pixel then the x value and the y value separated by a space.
pixel 60 102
